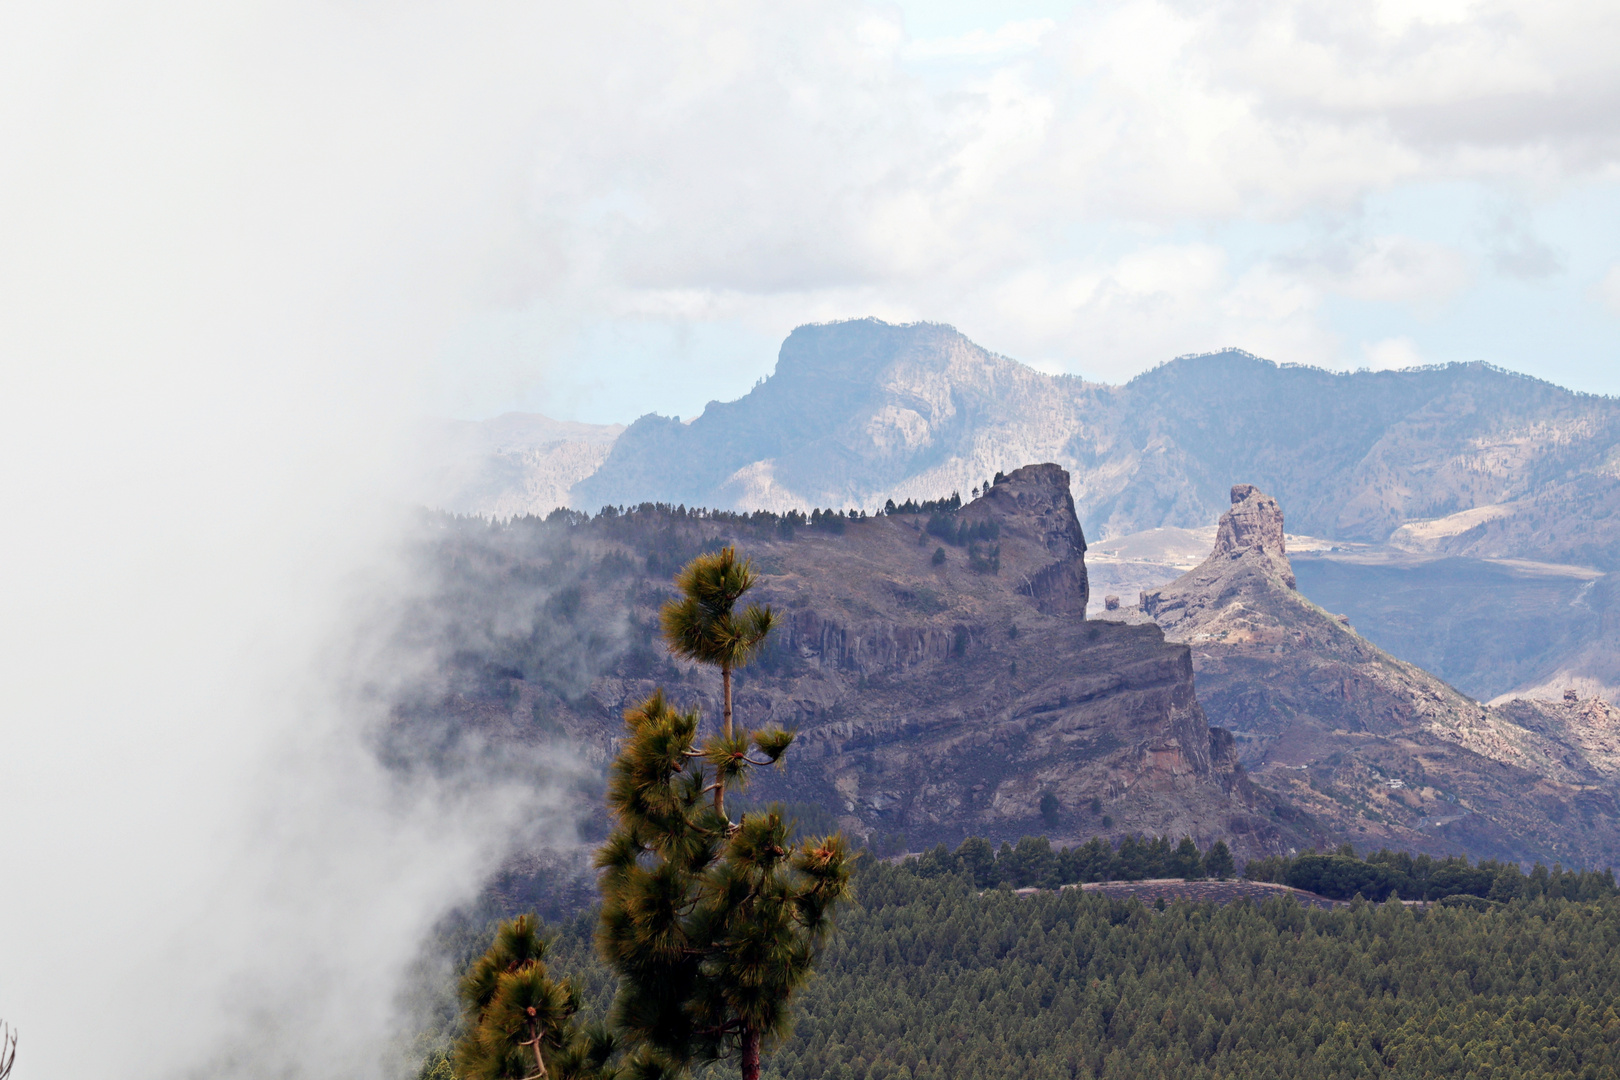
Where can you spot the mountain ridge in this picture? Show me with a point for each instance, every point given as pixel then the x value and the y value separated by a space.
pixel 1375 747
pixel 860 410
pixel 937 665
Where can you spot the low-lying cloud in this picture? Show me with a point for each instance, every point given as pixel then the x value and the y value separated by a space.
pixel 238 243
pixel 232 238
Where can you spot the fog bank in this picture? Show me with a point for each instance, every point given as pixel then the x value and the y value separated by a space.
pixel 231 237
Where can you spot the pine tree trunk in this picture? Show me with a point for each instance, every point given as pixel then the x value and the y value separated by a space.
pixel 539 1059
pixel 720 791
pixel 750 1055
pixel 725 680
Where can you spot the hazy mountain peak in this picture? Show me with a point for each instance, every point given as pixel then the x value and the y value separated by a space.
pixel 510 465
pixel 863 410
pixel 854 413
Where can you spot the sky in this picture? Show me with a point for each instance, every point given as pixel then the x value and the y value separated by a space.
pixel 245 246
pixel 1090 188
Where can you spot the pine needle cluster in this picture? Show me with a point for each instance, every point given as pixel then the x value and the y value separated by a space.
pixel 703 623
pixel 711 925
pixel 521 1023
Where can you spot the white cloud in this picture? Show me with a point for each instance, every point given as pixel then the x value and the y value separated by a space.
pixel 1517 252
pixel 1608 289
pixel 784 163
pixel 1160 302
pixel 1390 354
pixel 1401 270
pixel 1010 38
pixel 231 239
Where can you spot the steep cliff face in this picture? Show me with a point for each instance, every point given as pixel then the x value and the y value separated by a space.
pixel 1376 748
pixel 938 667
pixel 942 699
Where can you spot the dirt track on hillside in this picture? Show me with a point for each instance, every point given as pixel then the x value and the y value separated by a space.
pixel 1219 892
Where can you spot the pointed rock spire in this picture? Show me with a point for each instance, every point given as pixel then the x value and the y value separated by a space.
pixel 1254 526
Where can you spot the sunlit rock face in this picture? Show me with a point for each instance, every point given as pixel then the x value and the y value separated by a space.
pixel 939 668
pixel 855 412
pixel 1371 747
pixel 1254 524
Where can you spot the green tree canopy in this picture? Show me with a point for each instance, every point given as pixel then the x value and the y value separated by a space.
pixel 710 926
pixel 703 623
pixel 521 1023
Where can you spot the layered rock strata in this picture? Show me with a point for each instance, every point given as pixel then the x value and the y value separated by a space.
pixel 939 669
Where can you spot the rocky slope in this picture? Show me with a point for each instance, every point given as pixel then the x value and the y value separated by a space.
pixel 854 413
pixel 939 667
pixel 1592 665
pixel 1376 748
pixel 1571 521
pixel 858 411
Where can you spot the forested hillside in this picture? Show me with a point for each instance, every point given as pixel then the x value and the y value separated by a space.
pixel 935 977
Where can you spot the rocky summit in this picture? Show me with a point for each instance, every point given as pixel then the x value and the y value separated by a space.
pixel 936 662
pixel 1372 747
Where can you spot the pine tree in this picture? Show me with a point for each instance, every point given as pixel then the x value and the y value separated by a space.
pixel 522 1023
pixel 1218 861
pixel 704 625
pixel 1185 862
pixel 711 926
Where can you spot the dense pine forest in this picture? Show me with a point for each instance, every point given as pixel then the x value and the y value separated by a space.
pixel 936 975
pixel 1341 875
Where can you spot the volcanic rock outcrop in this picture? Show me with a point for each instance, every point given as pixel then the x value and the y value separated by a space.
pixel 1375 748
pixel 943 698
pixel 937 665
pixel 1453 460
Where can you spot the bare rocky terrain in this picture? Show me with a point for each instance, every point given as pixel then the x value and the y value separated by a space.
pixel 940 687
pixel 1422 661
pixel 1461 514
pixel 1371 746
pixel 1463 459
pixel 945 681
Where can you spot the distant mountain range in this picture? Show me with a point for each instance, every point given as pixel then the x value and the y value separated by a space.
pixel 1462 459
pixel 1429 471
